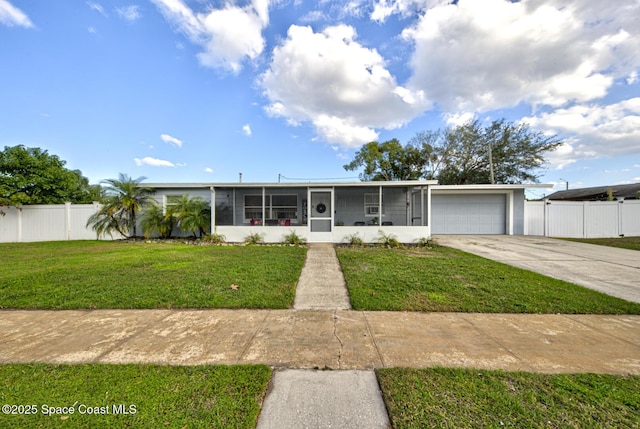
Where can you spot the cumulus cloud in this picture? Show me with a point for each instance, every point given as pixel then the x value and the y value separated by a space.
pixel 208 170
pixel 12 16
pixel 596 130
pixel 339 86
pixel 228 35
pixel 479 55
pixel 129 13
pixel 246 129
pixel 153 162
pixel 170 139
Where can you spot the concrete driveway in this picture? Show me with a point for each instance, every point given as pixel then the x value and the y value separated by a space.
pixel 606 269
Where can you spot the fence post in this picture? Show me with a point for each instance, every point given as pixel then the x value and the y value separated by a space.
pixel 67 217
pixel 545 218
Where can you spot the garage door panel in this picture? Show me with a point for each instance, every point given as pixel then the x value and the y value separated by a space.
pixel 468 214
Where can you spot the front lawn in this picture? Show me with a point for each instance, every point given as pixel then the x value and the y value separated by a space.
pixel 135 396
pixel 105 274
pixel 471 398
pixel 632 243
pixel 444 279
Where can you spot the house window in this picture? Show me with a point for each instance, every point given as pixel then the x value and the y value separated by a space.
pixel 372 205
pixel 277 207
pixel 169 201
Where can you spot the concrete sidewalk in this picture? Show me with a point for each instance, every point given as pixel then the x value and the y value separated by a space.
pixel 325 339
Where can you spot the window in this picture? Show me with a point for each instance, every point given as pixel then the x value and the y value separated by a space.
pixel 372 205
pixel 169 201
pixel 277 207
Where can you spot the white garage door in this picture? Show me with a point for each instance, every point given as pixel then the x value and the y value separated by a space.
pixel 468 214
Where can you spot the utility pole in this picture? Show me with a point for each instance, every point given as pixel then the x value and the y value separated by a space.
pixel 491 163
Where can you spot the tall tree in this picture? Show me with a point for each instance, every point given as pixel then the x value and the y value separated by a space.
pixel 124 198
pixel 388 161
pixel 33 176
pixel 465 154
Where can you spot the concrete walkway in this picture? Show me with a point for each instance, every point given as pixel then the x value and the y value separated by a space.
pixel 321 285
pixel 610 270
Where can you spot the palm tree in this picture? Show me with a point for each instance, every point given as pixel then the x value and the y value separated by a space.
pixel 192 214
pixel 154 220
pixel 124 197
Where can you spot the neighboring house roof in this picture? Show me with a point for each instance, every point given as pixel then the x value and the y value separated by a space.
pixel 598 193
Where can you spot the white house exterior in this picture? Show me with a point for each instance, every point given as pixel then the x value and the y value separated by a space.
pixel 333 211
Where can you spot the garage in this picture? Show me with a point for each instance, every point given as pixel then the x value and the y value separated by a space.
pixel 469 213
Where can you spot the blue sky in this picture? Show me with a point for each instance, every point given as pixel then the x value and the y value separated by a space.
pixel 199 91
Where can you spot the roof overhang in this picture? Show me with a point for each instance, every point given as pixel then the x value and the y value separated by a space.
pixel 506 187
pixel 386 184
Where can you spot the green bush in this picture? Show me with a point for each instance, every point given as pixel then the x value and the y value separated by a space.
pixel 354 240
pixel 254 238
pixel 295 239
pixel 213 238
pixel 387 240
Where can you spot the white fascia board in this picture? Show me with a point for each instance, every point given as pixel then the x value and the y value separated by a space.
pixel 466 188
pixel 404 183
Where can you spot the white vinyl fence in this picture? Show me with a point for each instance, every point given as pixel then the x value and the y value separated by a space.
pixel 582 219
pixel 47 223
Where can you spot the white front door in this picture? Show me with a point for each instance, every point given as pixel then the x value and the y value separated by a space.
pixel 321 215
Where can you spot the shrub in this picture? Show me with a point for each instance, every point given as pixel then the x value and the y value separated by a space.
pixel 426 242
pixel 213 238
pixel 254 238
pixel 354 240
pixel 387 240
pixel 295 239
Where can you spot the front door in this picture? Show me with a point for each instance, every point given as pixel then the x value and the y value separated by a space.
pixel 321 215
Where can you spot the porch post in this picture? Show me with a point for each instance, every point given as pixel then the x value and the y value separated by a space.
pixel 264 206
pixel 380 205
pixel 213 209
pixel 422 206
pixel 429 207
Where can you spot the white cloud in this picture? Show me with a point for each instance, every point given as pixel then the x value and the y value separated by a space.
pixel 632 78
pixel 170 139
pixel 341 87
pixel 92 30
pixel 596 130
pixel 98 8
pixel 12 16
pixel 153 162
pixel 480 55
pixel 246 129
pixel 383 9
pixel 228 35
pixel 129 13
pixel 208 170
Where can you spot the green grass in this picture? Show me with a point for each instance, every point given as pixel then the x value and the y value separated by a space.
pixel 161 396
pixel 632 243
pixel 444 279
pixel 104 274
pixel 468 398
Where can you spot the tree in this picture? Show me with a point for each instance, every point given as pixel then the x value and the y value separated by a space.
pixel 500 152
pixel 388 161
pixel 124 198
pixel 192 214
pixel 33 176
pixel 156 221
pixel 470 153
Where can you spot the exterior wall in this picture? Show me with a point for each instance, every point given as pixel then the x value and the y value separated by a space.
pixel 583 219
pixel 160 197
pixel 339 234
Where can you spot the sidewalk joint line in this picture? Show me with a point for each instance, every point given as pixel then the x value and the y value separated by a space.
pixel 335 334
pixel 373 339
pixel 246 347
